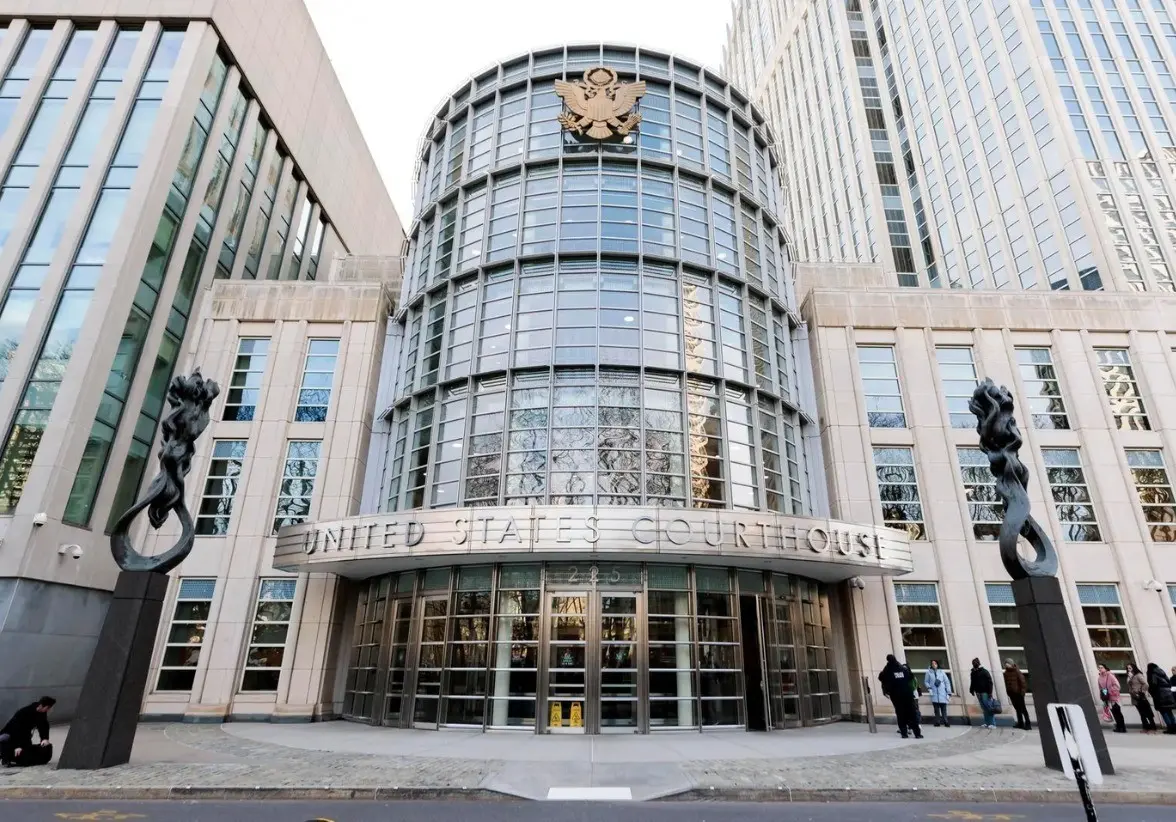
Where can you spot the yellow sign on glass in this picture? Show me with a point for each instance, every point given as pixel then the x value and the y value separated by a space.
pixel 577 717
pixel 555 718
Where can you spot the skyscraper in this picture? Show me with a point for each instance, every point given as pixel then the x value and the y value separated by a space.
pixel 959 176
pixel 143 156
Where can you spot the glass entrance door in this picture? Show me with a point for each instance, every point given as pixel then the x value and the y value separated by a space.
pixel 401 617
pixel 430 666
pixel 593 675
pixel 567 663
pixel 619 677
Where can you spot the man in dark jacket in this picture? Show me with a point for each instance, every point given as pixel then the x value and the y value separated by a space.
pixel 898 684
pixel 981 687
pixel 16 738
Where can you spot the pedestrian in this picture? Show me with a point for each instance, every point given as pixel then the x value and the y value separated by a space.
pixel 1137 688
pixel 1108 691
pixel 916 691
pixel 981 687
pixel 1016 686
pixel 938 685
pixel 896 686
pixel 17 747
pixel 1160 688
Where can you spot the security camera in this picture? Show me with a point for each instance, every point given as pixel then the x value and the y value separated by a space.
pixel 858 583
pixel 77 552
pixel 40 519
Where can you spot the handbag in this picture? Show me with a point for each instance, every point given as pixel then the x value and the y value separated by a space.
pixel 994 705
pixel 1105 694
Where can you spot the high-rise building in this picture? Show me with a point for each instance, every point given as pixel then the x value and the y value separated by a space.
pixel 145 156
pixel 959 177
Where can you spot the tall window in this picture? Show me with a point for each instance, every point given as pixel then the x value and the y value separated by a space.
pixel 267 642
pixel 224 475
pixel 957 371
pixel 1042 388
pixel 1155 493
pixel 297 488
pixel 919 618
pixel 880 385
pixel 245 384
pixel 1105 625
pixel 185 636
pixel 898 489
pixel 1118 376
pixel 1072 500
pixel 984 506
pixel 1006 625
pixel 318 374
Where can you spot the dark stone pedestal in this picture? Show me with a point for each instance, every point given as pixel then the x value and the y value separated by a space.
pixel 103 730
pixel 1058 671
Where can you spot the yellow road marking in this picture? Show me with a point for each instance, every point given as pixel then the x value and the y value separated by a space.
pixel 97 816
pixel 970 816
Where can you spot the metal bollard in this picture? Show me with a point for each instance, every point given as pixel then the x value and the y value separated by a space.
pixel 870 719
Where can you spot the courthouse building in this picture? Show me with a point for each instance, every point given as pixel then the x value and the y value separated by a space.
pixel 593 499
pixel 144 156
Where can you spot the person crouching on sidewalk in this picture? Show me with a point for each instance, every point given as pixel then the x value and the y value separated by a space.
pixel 16 747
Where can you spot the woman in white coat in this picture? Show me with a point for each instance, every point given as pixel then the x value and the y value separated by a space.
pixel 937 683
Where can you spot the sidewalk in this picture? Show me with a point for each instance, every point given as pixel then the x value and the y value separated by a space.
pixel 837 762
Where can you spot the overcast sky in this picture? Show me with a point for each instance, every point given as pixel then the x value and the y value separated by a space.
pixel 397 59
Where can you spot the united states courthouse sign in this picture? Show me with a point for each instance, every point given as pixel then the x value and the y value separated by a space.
pixel 820 548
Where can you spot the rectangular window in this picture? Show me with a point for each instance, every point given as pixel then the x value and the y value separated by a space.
pixel 1155 493
pixel 879 369
pixel 267 642
pixel 245 384
pixel 318 374
pixel 1006 625
pixel 919 618
pixel 224 475
pixel 297 488
pixel 1118 376
pixel 957 371
pixel 1067 484
pixel 1042 388
pixel 898 489
pixel 1106 626
pixel 984 506
pixel 185 636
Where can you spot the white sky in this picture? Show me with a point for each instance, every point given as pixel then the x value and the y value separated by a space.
pixel 398 59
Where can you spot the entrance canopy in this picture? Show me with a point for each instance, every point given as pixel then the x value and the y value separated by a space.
pixel 822 549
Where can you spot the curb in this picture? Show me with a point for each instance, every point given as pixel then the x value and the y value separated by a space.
pixel 51 793
pixel 383 794
pixel 970 795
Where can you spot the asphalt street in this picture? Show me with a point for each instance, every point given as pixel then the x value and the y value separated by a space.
pixel 34 811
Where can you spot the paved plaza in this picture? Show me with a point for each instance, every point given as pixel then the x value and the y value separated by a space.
pixel 837 762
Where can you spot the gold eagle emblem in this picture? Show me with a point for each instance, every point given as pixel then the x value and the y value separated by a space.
pixel 597 103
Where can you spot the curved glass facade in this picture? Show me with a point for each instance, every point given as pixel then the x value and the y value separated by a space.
pixel 592 647
pixel 597 323
pixel 607 325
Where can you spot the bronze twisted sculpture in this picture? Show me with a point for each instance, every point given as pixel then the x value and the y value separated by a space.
pixel 190 398
pixel 1000 439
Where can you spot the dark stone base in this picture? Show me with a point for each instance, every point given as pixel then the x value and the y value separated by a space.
pixel 103 730
pixel 1059 671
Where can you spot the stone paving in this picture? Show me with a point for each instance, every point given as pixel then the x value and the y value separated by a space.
pixel 841 761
